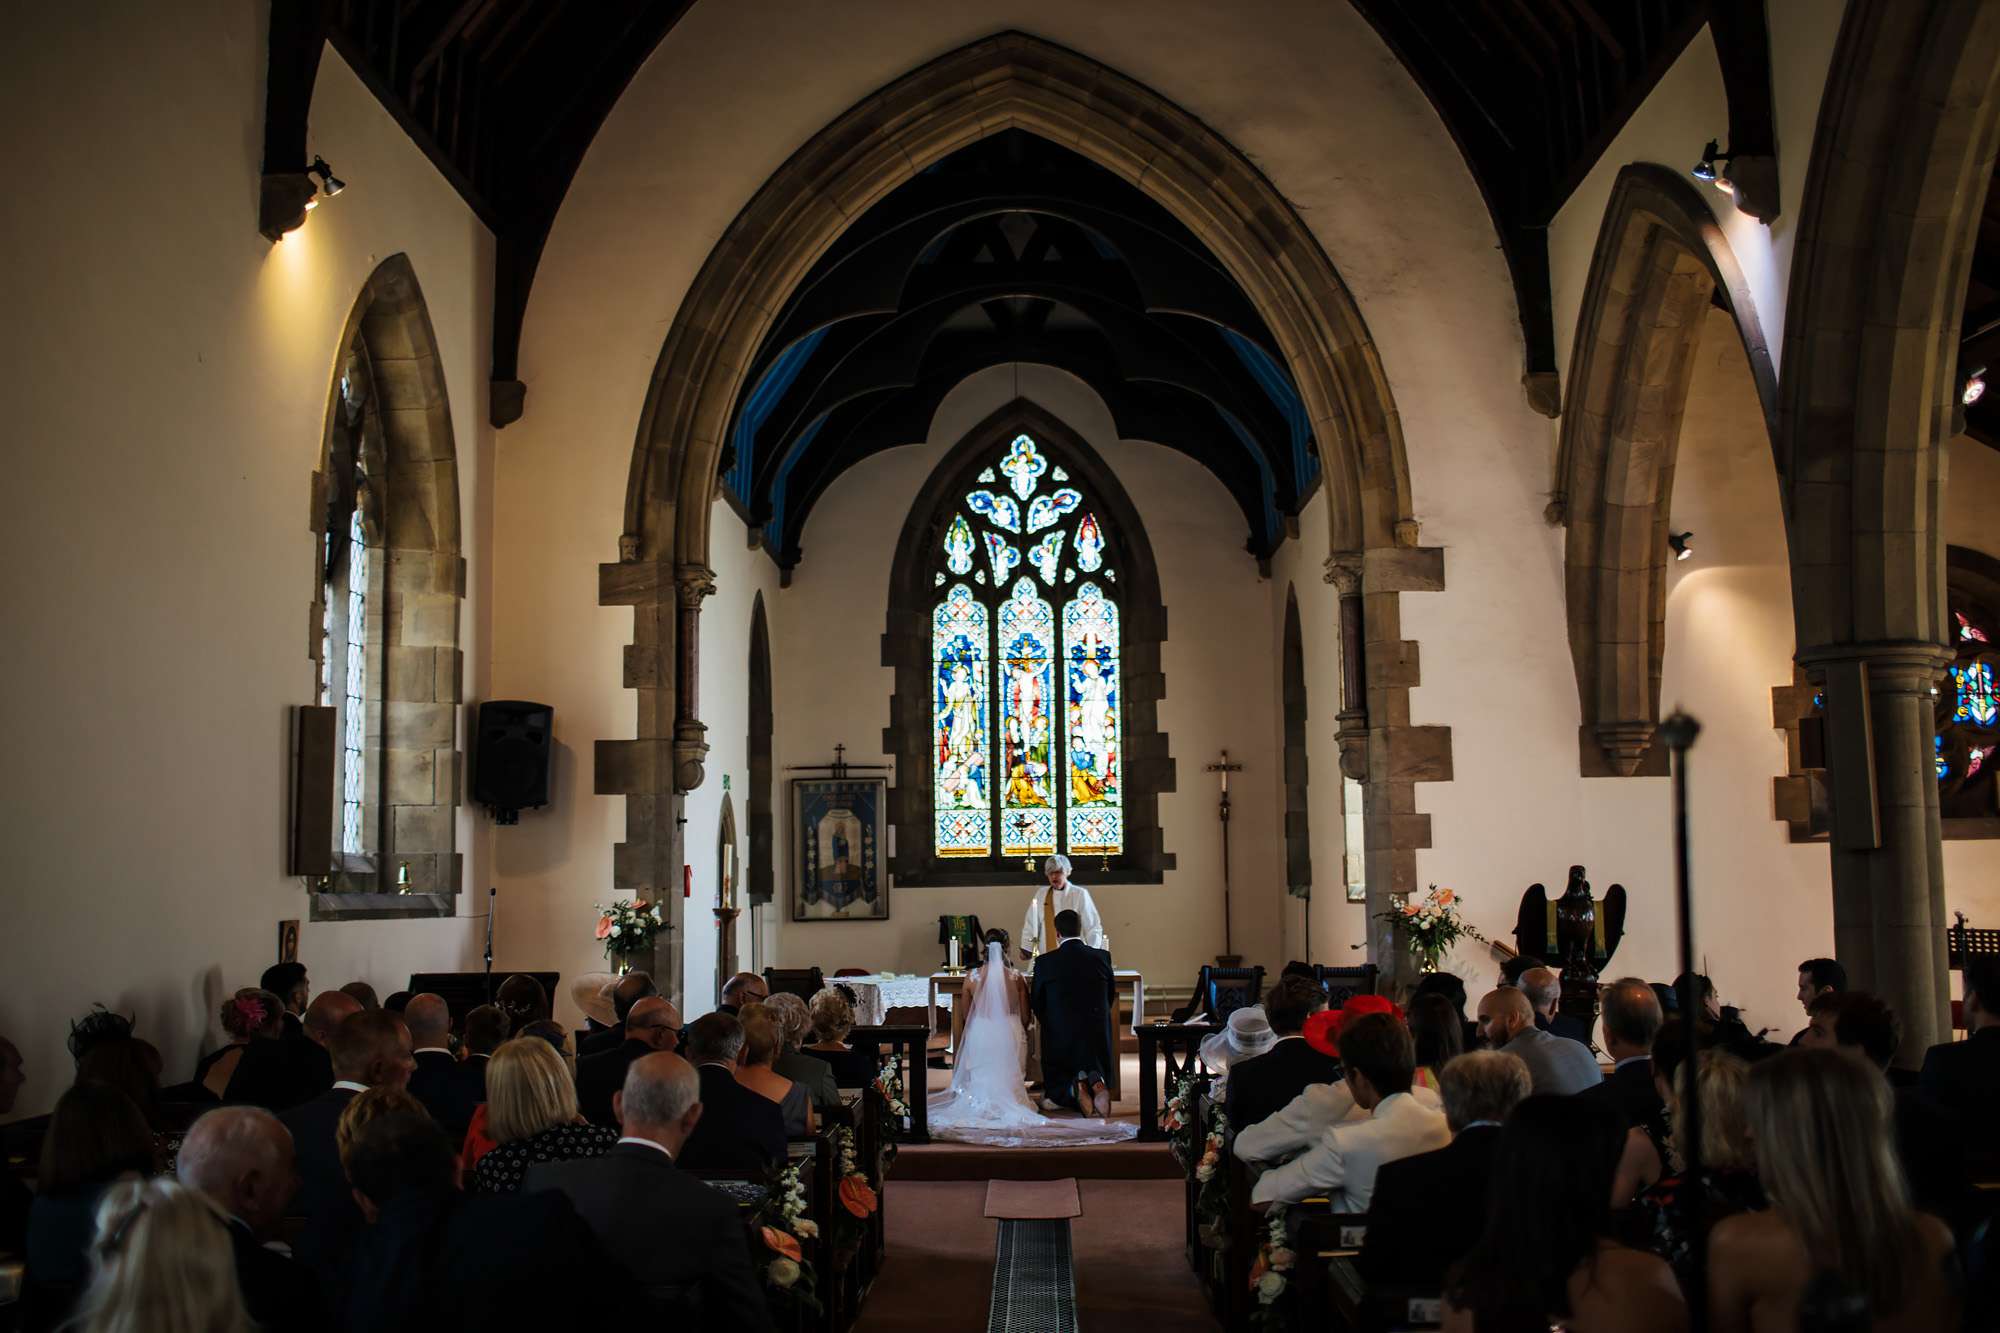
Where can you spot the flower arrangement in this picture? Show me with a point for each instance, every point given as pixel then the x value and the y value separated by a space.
pixel 780 1222
pixel 628 927
pixel 858 1200
pixel 1270 1275
pixel 1431 925
pixel 1211 1203
pixel 1178 1120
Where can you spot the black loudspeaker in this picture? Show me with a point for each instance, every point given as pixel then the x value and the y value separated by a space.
pixel 511 765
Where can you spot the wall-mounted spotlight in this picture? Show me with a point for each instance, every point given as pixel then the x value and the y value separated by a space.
pixel 1682 544
pixel 1975 386
pixel 329 184
pixel 1712 168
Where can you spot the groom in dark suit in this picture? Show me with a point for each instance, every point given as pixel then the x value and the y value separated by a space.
pixel 1073 995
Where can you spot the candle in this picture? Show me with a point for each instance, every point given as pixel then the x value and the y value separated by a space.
pixel 954 953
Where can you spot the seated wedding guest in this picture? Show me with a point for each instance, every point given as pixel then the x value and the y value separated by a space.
pixel 161 1261
pixel 288 981
pixel 747 988
pixel 1244 1036
pixel 832 1020
pixel 1439 1038
pixel 1631 1019
pixel 1817 977
pixel 1452 987
pixel 370 1049
pixel 1543 987
pixel 96 1137
pixel 1411 1239
pixel 1299 1125
pixel 1544 1254
pixel 678 1238
pixel 1512 968
pixel 1930 1141
pixel 1964 1076
pixel 1378 1060
pixel 1658 1220
pixel 279 1078
pixel 434 1260
pixel 99 1025
pixel 761 1041
pixel 550 1031
pixel 437 1082
pixel 793 1063
pixel 133 1067
pixel 397 999
pixel 240 1158
pixel 627 991
pixel 485 1029
pixel 531 1112
pixel 246 1016
pixel 362 993
pixel 652 1024
pixel 15 1197
pixel 524 1000
pixel 739 1130
pixel 1558 1065
pixel 1263 1085
pixel 1820 1122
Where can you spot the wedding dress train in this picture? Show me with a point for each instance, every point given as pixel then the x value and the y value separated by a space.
pixel 987 1102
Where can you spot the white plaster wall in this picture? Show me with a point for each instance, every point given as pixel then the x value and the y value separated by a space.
pixel 1218 659
pixel 168 374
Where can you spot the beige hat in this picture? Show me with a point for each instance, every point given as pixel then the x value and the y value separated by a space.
pixel 591 993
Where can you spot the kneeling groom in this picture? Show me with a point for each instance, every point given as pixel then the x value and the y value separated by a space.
pixel 1073 997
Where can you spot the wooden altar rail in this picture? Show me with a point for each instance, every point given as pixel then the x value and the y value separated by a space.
pixel 907 1042
pixel 1179 1044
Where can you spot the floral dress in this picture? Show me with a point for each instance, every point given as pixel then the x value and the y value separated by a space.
pixel 1655 1222
pixel 502 1170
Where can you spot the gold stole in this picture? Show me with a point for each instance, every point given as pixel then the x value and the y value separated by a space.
pixel 1049 940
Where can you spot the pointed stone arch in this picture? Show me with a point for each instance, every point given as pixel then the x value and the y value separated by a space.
pixel 1011 80
pixel 1660 259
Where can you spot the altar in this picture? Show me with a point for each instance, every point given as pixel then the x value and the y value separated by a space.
pixel 1127 1013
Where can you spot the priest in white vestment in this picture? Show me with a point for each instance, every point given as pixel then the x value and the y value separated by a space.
pixel 1038 932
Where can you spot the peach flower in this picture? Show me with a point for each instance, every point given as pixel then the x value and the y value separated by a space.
pixel 781 1243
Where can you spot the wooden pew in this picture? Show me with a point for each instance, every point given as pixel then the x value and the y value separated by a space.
pixel 1330 1291
pixel 905 1044
pixel 1179 1045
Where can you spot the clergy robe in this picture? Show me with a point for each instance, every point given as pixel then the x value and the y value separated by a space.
pixel 1038 932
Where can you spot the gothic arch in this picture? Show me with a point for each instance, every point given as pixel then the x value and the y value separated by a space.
pixel 387 398
pixel 1902 160
pixel 906 647
pixel 1660 259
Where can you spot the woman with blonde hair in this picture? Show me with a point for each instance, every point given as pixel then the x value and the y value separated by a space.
pixel 790 1013
pixel 162 1262
pixel 247 1015
pixel 1841 1232
pixel 762 1039
pixel 832 1020
pixel 531 1114
pixel 1659 1222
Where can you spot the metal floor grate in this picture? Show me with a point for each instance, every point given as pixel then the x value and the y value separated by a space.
pixel 1034 1279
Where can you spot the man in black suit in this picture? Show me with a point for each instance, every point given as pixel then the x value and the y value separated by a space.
pixel 278 1075
pixel 1631 1020
pixel 437 1261
pixel 1543 987
pixel 288 981
pixel 652 1024
pixel 437 1083
pixel 1964 1076
pixel 1266 1084
pixel 241 1158
pixel 748 988
pixel 1412 1240
pixel 1817 977
pixel 739 1130
pixel 631 988
pixel 679 1238
pixel 370 1049
pixel 1073 996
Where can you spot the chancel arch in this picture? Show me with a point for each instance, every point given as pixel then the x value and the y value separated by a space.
pixel 389 580
pixel 1010 81
pixel 1661 260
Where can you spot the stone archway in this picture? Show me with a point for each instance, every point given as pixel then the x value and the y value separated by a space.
pixel 1901 163
pixel 1008 81
pixel 1660 259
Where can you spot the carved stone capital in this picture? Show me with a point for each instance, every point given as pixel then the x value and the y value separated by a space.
pixel 692 583
pixel 1343 571
pixel 1408 532
pixel 690 755
pixel 1896 666
pixel 628 547
pixel 281 205
pixel 1556 512
pixel 1352 736
pixel 1625 743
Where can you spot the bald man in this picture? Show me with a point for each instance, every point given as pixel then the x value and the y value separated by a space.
pixel 629 990
pixel 651 1024
pixel 240 1157
pixel 741 989
pixel 667 1229
pixel 370 1049
pixel 280 1075
pixel 440 1082
pixel 1556 1065
pixel 1543 987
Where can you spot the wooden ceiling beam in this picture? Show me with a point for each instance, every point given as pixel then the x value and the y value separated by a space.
pixel 453 25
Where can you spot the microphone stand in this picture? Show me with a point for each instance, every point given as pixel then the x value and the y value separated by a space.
pixel 492 906
pixel 1678 733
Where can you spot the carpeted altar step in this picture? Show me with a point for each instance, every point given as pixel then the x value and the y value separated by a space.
pixel 964 1161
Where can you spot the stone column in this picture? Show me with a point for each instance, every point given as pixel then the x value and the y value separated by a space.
pixel 693 583
pixel 1888 860
pixel 1344 573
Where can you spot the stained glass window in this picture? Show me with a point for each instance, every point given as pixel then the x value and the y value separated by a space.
pixel 343 666
pixel 1027 694
pixel 1968 712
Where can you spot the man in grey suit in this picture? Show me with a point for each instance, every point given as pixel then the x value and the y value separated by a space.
pixel 1555 1064
pixel 681 1239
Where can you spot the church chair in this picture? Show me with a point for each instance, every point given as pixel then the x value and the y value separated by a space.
pixel 1221 991
pixel 804 982
pixel 1342 983
pixel 839 972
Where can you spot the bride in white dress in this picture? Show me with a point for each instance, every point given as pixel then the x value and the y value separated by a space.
pixel 988 1099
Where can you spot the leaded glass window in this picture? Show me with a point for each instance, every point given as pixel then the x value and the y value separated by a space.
pixel 1968 712
pixel 1026 693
